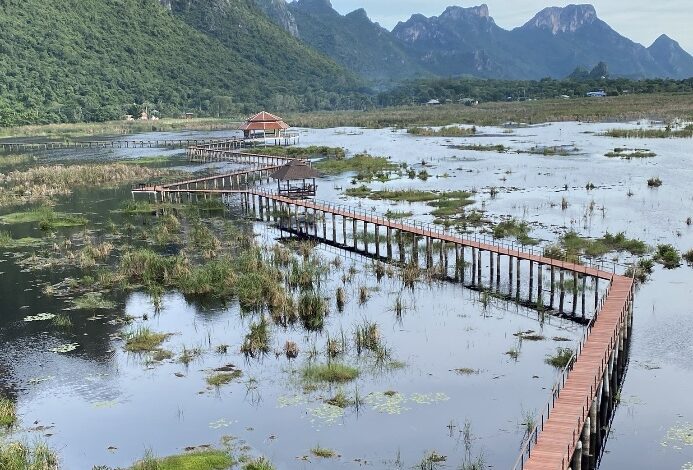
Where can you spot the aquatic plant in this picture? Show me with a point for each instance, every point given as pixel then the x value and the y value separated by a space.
pixel 323 452
pixel 17 455
pixel 432 461
pixel 92 301
pixel 8 412
pixel 448 131
pixel 560 359
pixel 143 340
pixel 364 164
pixel 367 337
pixel 688 256
pixel 188 355
pixel 256 342
pixel 62 321
pixel 331 373
pixel 260 463
pixel 654 182
pixel 340 298
pixel 668 256
pixel 341 400
pixel 291 350
pixel 222 378
pixel 641 270
pixel 312 309
pixel 196 460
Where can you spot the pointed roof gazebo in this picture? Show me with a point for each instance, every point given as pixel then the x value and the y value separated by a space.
pixel 263 124
pixel 296 171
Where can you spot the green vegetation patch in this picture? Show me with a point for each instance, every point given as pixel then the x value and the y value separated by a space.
pixel 6 241
pixel 306 152
pixel 198 460
pixel 17 455
pixel 323 452
pixel 144 340
pixel 46 217
pixel 260 463
pixel 668 256
pixel 665 133
pixel 447 131
pixel 8 412
pixel 516 229
pixel 572 245
pixel 482 148
pixel 92 301
pixel 330 373
pixel 628 154
pixel 560 359
pixel 363 163
pixel 223 378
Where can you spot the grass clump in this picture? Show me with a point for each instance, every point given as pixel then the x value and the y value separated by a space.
pixel 312 309
pixel 6 241
pixel 572 245
pixel 688 256
pixel 515 229
pixel 340 400
pixel 628 154
pixel 256 342
pixel 330 373
pixel 448 131
pixel 641 270
pixel 667 256
pixel 261 463
pixel 560 359
pixel 482 148
pixel 8 412
pixel 144 340
pixel 93 301
pixel 62 321
pixel 20 456
pixel 323 452
pixel 650 133
pixel 365 165
pixel 198 460
pixel 654 182
pixel 223 378
pixel 46 217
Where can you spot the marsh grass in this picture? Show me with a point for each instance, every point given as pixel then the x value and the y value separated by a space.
pixel 93 301
pixel 628 154
pixel 188 355
pixel 688 256
pixel 654 182
pixel 572 245
pixel 291 350
pixel 665 133
pixel 367 336
pixel 21 456
pixel 340 400
pixel 62 321
pixel 260 463
pixel 312 309
pixel 46 217
pixel 323 452
pixel 560 359
pixel 332 372
pixel 8 412
pixel 340 297
pixel 196 460
pixel 641 270
pixel 6 241
pixel 144 340
pixel 448 131
pixel 222 378
pixel 668 256
pixel 482 148
pixel 516 229
pixel 256 342
pixel 366 166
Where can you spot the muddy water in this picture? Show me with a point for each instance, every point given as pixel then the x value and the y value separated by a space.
pixel 99 397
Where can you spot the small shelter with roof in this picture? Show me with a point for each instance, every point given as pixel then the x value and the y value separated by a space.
pixel 296 179
pixel 264 125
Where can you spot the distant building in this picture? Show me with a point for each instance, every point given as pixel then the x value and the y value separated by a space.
pixel 264 125
pixel 188 115
pixel 432 102
pixel 469 101
pixel 565 97
pixel 596 94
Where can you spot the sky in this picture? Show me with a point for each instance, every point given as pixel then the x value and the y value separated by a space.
pixel 640 20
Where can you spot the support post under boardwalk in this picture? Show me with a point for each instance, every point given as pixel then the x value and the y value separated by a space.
pixel 491 270
pixel 510 275
pixel 324 225
pixel 415 249
pixel 596 294
pixel 584 290
pixel 575 293
pixel 377 240
pixel 344 230
pixel 478 268
pixel 388 236
pixel 354 232
pixel 498 271
pixel 462 273
pixel 400 247
pixel 473 266
pixel 553 285
pixel 561 298
pixel 365 236
pixel 540 284
pixel 429 253
pixel 334 228
pixel 518 278
pixel 457 262
pixel 531 280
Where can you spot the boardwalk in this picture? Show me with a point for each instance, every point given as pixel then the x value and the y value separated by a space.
pixel 569 428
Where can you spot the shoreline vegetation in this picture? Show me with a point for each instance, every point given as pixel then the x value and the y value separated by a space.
pixel 662 106
pixel 117 128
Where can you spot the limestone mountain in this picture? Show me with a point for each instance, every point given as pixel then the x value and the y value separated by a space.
pixel 671 57
pixel 354 41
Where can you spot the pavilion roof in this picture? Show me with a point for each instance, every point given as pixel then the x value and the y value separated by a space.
pixel 264 121
pixel 295 170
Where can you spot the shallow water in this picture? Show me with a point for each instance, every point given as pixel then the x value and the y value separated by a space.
pixel 99 396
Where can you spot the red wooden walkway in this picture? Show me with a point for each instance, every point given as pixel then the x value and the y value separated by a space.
pixel 563 421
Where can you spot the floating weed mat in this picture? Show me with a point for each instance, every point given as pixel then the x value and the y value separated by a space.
pixel 325 414
pixel 92 301
pixel 220 423
pixel 395 403
pixel 679 436
pixel 39 317
pixel 65 348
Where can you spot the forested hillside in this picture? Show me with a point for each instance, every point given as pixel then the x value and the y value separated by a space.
pixel 86 60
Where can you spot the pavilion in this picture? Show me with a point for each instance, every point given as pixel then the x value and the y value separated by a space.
pixel 296 174
pixel 264 125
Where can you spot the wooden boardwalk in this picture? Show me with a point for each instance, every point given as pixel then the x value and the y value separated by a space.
pixel 566 428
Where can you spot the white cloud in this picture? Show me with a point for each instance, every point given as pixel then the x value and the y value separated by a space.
pixel 640 20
